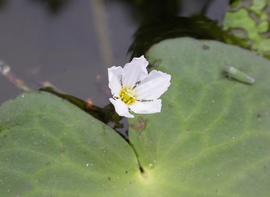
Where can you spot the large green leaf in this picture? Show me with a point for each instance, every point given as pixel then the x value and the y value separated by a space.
pixel 50 148
pixel 212 137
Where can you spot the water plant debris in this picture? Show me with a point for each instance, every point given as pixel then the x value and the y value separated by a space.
pixel 234 73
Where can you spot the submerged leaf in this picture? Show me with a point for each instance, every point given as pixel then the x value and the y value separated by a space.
pixel 249 20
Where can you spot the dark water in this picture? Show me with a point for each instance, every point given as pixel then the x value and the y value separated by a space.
pixel 71 43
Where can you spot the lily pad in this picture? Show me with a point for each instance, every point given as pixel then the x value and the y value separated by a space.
pixel 212 137
pixel 49 147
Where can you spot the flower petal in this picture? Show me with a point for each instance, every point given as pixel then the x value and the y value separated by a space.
pixel 135 71
pixel 153 86
pixel 121 108
pixel 148 107
pixel 115 75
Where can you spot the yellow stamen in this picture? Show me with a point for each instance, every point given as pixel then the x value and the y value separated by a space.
pixel 127 96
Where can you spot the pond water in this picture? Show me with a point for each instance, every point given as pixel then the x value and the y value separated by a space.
pixel 71 43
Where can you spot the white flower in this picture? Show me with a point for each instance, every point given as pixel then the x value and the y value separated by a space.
pixel 136 90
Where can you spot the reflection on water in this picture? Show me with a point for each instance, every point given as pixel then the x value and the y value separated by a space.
pixel 63 49
pixel 54 6
pixel 2 3
pixel 71 43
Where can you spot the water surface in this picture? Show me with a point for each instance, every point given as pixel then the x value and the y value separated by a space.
pixel 71 43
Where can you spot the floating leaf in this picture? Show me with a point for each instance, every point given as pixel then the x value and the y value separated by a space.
pixel 212 137
pixel 49 147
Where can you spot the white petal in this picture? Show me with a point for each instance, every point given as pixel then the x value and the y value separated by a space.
pixel 121 108
pixel 135 71
pixel 115 75
pixel 148 107
pixel 153 86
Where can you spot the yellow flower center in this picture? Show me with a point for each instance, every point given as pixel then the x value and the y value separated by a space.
pixel 127 96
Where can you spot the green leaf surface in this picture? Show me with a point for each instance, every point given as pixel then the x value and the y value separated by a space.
pixel 50 148
pixel 212 137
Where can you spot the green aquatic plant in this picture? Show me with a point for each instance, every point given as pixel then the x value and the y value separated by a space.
pixel 249 20
pixel 211 138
